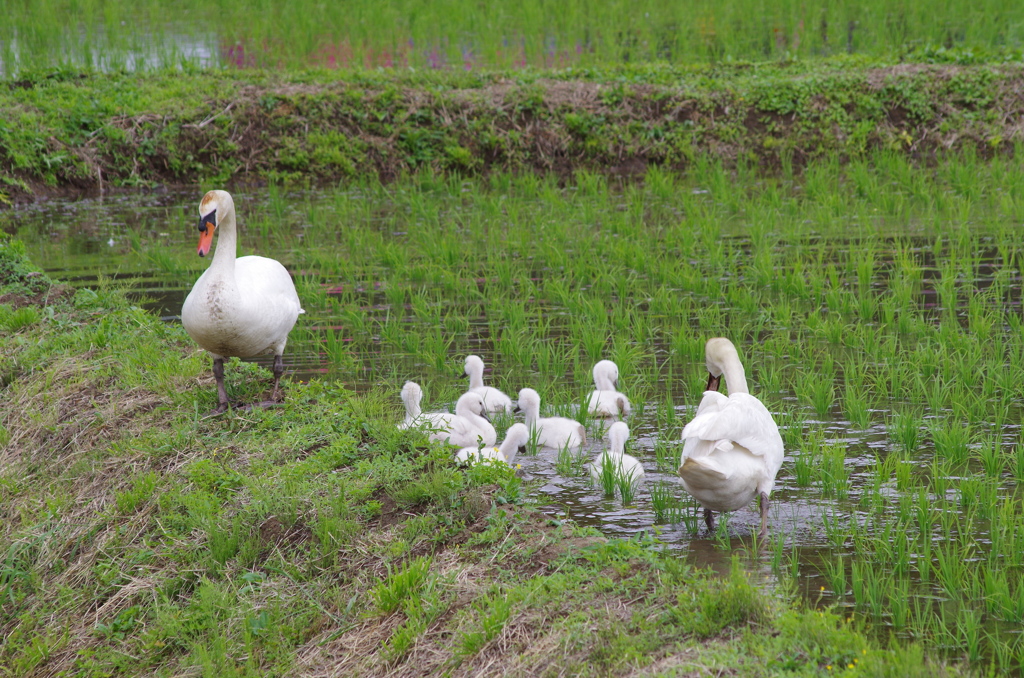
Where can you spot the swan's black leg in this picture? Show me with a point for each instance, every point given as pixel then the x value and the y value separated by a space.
pixel 278 371
pixel 222 392
pixel 709 519
pixel 764 516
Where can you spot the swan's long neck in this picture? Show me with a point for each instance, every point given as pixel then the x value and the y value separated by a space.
pixel 510 446
pixel 735 379
pixel 531 414
pixel 618 445
pixel 412 406
pixel 227 244
pixel 476 376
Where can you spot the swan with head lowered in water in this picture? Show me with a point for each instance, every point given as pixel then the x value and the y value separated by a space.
pixel 732 449
pixel 241 307
pixel 516 439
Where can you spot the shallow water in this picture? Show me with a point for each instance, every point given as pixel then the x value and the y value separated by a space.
pixel 147 241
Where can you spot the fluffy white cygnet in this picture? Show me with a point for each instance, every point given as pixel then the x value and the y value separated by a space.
pixel 470 426
pixel 494 400
pixel 606 401
pixel 557 432
pixel 412 394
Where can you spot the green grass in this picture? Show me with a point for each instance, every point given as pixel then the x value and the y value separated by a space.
pixel 456 34
pixel 141 538
pixel 872 292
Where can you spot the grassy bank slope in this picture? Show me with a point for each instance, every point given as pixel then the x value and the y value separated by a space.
pixel 65 129
pixel 139 538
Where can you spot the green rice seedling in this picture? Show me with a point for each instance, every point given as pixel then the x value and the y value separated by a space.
pixel 993 460
pixel 835 531
pixel 661 501
pixel 835 572
pixel 905 430
pixel 834 474
pixel 607 475
pixel 689 513
pixel 899 603
pixel 628 482
pixel 952 440
pixel 951 565
pixel 570 462
pixel 1017 463
pixel 666 458
pixel 893 548
pixel 899 467
pixel 855 405
pixel 803 467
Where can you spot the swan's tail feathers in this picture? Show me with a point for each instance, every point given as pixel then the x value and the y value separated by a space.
pixel 301 310
pixel 703 472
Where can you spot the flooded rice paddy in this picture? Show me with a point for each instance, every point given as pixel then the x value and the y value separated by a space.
pixel 876 309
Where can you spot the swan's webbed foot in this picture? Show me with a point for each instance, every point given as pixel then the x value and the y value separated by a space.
pixel 709 520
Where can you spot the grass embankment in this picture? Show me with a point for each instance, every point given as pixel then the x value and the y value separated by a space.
pixel 316 539
pixel 65 129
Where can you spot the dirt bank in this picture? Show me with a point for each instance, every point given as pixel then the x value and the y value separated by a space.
pixel 67 131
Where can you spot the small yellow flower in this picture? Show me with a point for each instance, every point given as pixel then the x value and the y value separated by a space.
pixel 822 588
pixel 849 666
pixel 829 667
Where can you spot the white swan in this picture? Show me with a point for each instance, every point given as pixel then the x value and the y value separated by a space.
pixel 495 400
pixel 558 432
pixel 412 394
pixel 470 426
pixel 624 465
pixel 606 401
pixel 515 441
pixel 732 448
pixel 239 307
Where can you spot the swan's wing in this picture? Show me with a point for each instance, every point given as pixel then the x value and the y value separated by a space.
pixel 709 407
pixel 462 428
pixel 740 419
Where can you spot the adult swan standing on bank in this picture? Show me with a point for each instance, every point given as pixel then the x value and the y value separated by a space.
pixel 732 449
pixel 239 307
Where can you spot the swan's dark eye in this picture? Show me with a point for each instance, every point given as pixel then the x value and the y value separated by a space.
pixel 210 218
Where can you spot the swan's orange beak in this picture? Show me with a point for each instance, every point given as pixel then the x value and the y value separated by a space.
pixel 206 226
